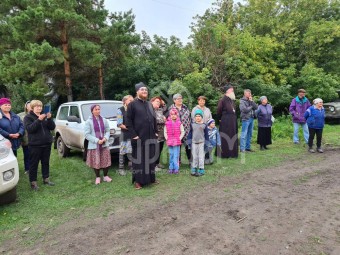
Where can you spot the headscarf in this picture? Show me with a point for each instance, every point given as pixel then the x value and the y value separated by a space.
pixel 5 100
pixel 98 126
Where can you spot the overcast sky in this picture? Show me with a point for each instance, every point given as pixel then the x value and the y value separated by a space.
pixel 162 17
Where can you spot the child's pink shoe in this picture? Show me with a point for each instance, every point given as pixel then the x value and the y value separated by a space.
pixel 107 179
pixel 97 180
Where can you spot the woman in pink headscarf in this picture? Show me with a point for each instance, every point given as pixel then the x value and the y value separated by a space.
pixel 97 132
pixel 11 125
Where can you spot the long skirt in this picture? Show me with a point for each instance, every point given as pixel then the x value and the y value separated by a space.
pixel 99 158
pixel 264 136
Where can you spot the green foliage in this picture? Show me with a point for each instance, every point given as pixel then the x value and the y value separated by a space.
pixel 272 47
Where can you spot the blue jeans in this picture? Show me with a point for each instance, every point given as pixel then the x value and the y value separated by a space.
pixel 174 157
pixel 296 132
pixel 246 134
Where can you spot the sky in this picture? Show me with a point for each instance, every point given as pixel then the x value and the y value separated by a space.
pixel 162 17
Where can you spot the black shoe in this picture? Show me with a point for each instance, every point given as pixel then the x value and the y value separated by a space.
pixel 250 150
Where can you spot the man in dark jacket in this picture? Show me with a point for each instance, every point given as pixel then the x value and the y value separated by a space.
pixel 141 123
pixel 247 108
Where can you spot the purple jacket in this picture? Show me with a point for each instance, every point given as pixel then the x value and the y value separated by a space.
pixel 264 115
pixel 297 109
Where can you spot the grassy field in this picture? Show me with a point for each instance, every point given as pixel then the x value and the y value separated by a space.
pixel 75 194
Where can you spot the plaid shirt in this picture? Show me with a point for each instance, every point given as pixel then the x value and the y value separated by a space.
pixel 185 117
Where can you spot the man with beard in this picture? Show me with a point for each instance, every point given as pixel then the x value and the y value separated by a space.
pixel 226 113
pixel 141 123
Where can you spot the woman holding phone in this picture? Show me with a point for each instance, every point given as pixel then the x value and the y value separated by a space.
pixel 39 126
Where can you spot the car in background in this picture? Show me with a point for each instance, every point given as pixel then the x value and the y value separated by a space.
pixel 9 172
pixel 70 124
pixel 332 110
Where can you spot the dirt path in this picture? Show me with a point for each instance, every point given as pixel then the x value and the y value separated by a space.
pixel 291 209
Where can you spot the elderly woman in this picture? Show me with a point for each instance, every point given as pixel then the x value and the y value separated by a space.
pixel 11 125
pixel 226 113
pixel 201 105
pixel 264 119
pixel 24 143
pixel 125 139
pixel 184 115
pixel 315 116
pixel 97 132
pixel 39 126
pixel 158 106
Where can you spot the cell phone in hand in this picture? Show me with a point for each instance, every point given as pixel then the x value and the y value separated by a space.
pixel 47 108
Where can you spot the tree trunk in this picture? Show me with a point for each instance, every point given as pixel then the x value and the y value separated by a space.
pixel 102 97
pixel 67 69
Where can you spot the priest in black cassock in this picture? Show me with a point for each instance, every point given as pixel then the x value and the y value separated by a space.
pixel 141 123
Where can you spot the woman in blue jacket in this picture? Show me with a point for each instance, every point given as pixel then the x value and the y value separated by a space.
pixel 11 125
pixel 315 116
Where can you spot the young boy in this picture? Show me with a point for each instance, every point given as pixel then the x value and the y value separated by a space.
pixel 214 140
pixel 197 138
pixel 173 133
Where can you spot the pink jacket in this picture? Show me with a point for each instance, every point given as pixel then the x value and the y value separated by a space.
pixel 173 129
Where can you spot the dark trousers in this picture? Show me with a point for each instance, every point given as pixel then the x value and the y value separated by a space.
pixel 161 145
pixel 26 157
pixel 15 152
pixel 41 154
pixel 312 132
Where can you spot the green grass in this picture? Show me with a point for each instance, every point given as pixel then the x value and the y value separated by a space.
pixel 76 197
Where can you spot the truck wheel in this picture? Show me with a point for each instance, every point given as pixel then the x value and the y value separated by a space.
pixel 63 151
pixel 9 196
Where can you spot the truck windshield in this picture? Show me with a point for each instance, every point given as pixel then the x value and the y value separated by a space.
pixel 107 110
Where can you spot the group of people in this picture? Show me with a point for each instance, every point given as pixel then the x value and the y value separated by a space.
pixel 31 130
pixel 147 125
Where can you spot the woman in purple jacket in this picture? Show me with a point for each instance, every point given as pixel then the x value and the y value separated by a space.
pixel 264 119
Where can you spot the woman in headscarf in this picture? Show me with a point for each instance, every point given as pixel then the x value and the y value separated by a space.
pixel 97 132
pixel 264 119
pixel 11 125
pixel 226 113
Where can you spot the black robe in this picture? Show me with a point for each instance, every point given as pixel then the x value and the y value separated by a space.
pixel 141 122
pixel 226 113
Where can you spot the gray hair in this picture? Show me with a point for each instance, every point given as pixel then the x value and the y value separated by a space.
pixel 317 100
pixel 247 90
pixel 262 98
pixel 174 97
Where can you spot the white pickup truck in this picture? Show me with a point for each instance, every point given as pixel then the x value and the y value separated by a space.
pixel 9 172
pixel 70 123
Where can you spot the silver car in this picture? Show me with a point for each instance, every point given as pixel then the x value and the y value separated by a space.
pixel 70 123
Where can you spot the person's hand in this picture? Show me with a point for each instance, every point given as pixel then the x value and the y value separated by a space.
pixel 49 115
pixel 250 98
pixel 42 116
pixel 122 126
pixel 102 141
pixel 14 136
pixel 135 138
